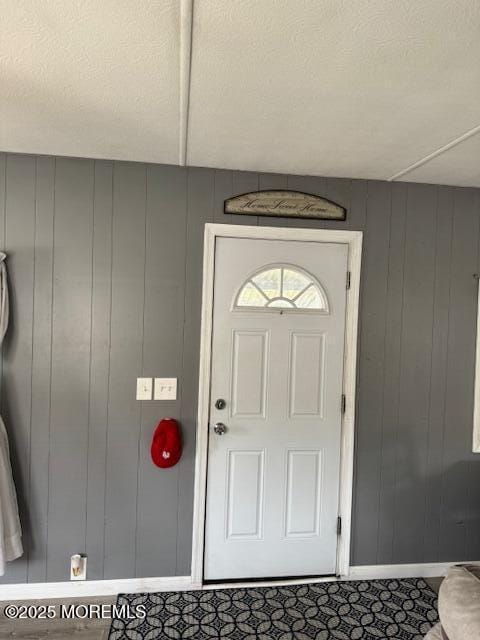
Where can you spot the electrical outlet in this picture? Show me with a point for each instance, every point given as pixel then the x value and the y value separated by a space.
pixel 78 567
pixel 165 389
pixel 144 388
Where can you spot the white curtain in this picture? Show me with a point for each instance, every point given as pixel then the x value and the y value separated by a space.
pixel 10 531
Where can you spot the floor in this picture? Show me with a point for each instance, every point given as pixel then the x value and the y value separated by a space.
pixel 58 628
pixel 434 583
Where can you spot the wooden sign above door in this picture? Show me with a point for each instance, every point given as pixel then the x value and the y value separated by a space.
pixel 285 204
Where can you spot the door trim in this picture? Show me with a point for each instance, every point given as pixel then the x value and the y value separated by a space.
pixel 354 241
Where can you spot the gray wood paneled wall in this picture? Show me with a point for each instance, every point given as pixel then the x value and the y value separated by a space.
pixel 105 263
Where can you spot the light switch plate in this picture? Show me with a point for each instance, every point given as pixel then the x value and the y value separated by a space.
pixel 165 389
pixel 144 388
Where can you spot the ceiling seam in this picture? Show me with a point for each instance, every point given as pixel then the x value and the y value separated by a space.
pixel 186 34
pixel 436 153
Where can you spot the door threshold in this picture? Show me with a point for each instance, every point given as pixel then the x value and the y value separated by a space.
pixel 268 582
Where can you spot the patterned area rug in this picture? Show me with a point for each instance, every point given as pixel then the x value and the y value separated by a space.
pixel 398 609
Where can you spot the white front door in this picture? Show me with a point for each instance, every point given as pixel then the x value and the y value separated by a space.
pixel 275 408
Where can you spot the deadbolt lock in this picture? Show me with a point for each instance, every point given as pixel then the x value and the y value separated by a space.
pixel 220 404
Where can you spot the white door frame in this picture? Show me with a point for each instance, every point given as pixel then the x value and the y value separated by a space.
pixel 354 241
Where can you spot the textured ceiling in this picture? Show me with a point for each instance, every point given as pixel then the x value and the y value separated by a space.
pixel 90 78
pixel 386 89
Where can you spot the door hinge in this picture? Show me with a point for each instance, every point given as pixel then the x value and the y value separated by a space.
pixel 339 526
pixel 343 403
pixel 349 277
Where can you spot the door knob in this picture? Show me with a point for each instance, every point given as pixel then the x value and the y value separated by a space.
pixel 220 428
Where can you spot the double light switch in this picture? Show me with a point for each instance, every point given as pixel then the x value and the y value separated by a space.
pixel 163 389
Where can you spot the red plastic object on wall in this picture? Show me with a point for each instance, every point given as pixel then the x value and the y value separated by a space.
pixel 166 446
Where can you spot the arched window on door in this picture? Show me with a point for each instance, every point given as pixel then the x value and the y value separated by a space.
pixel 282 286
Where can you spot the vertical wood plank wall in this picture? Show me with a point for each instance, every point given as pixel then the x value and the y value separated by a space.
pixel 105 263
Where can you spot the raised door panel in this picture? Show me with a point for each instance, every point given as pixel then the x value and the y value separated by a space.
pixel 249 373
pixel 307 375
pixel 245 494
pixel 303 495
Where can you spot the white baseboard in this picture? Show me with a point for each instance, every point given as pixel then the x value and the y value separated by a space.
pixel 425 570
pixel 42 590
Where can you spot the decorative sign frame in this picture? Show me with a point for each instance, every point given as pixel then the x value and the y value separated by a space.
pixel 285 204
